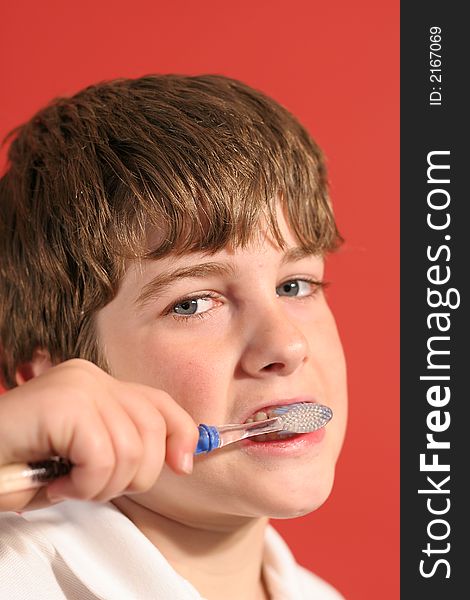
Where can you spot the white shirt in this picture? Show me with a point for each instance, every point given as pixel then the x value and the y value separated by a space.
pixel 86 551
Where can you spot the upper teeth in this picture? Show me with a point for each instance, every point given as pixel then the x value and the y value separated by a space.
pixel 259 416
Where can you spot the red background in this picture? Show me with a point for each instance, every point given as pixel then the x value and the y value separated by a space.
pixel 335 65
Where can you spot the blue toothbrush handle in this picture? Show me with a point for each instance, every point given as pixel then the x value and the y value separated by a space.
pixel 208 439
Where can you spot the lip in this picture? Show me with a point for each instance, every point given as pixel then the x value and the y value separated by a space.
pixel 295 446
pixel 274 403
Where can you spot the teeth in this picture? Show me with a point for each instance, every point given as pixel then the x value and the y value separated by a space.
pixel 262 415
pixel 259 416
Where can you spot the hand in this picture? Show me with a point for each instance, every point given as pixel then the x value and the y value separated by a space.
pixel 117 434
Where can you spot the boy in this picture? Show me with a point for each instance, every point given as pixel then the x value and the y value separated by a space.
pixel 162 243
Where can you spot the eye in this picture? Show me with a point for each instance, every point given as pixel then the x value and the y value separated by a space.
pixel 298 288
pixel 193 306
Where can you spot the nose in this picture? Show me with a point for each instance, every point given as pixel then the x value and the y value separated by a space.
pixel 275 344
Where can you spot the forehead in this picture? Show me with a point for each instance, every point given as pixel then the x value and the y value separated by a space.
pixel 260 234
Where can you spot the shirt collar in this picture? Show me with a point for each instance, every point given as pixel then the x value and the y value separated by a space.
pixel 93 538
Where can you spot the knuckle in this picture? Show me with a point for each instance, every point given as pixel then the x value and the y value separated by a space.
pixel 154 424
pixel 130 453
pixel 77 370
pixel 80 363
pixel 82 375
pixel 162 396
pixel 98 448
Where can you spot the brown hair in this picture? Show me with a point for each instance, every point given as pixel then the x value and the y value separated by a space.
pixel 201 158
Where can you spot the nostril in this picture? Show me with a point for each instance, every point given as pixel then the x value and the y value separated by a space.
pixel 273 367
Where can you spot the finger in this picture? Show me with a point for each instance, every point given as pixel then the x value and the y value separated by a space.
pixel 85 440
pixel 151 427
pixel 127 445
pixel 181 431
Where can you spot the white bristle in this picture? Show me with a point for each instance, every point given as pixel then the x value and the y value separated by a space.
pixel 303 417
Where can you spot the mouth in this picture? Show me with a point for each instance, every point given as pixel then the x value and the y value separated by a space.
pixel 267 412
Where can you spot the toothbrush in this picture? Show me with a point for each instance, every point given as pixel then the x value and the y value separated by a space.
pixel 301 417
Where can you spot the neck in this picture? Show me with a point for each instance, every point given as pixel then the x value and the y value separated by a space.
pixel 220 564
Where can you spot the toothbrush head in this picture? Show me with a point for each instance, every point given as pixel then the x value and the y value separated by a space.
pixel 302 417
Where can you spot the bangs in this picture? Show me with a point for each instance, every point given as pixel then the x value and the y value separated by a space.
pixel 206 175
pixel 198 223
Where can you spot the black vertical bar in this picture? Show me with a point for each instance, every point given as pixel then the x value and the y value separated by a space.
pixel 435 270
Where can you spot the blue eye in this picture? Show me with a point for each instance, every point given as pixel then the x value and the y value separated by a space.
pixel 203 306
pixel 189 307
pixel 193 306
pixel 290 288
pixel 297 288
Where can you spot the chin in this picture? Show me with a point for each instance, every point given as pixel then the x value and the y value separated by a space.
pixel 298 498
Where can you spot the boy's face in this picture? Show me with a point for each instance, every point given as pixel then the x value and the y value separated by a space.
pixel 235 332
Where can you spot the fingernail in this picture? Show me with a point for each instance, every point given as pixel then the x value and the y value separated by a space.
pixel 187 463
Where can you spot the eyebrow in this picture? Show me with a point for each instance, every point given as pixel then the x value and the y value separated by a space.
pixel 159 284
pixel 163 281
pixel 295 254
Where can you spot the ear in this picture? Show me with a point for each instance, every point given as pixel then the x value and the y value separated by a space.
pixel 40 363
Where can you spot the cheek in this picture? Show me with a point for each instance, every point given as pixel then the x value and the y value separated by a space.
pixel 194 377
